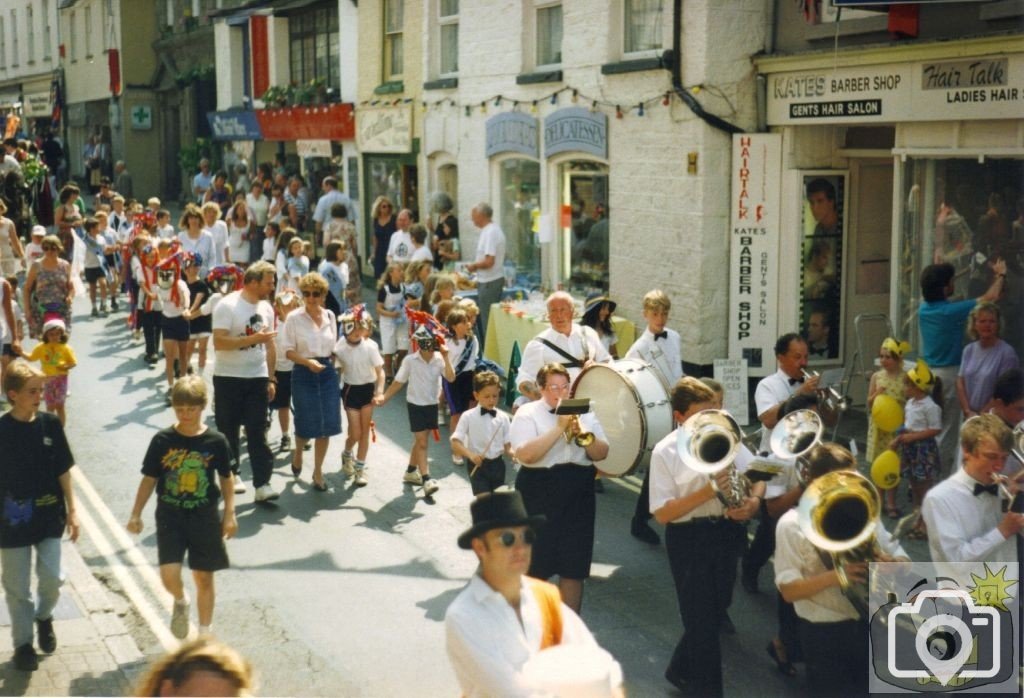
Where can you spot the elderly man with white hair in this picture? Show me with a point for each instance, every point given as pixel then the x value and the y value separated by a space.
pixel 565 342
pixel 489 262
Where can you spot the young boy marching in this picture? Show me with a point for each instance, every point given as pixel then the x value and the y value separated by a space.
pixel 183 464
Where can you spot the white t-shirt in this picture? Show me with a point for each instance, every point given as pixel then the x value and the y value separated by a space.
pixel 358 362
pixel 33 252
pixel 258 207
pixel 400 246
pixel 422 253
pixel 169 309
pixel 477 431
pixel 241 318
pixel 491 243
pixel 238 244
pixel 219 232
pixel 424 379
pixel 166 232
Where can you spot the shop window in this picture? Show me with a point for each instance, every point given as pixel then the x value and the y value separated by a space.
pixel 549 35
pixel 393 48
pixel 520 213
pixel 823 223
pixel 965 213
pixel 642 26
pixel 448 43
pixel 314 50
pixel 584 223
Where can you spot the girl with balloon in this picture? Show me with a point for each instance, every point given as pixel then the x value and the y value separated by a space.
pixel 886 400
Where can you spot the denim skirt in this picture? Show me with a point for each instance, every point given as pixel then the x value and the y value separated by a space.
pixel 316 399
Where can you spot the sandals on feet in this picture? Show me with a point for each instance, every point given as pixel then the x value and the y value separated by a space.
pixel 785 668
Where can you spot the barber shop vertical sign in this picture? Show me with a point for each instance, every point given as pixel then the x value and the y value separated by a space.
pixel 754 248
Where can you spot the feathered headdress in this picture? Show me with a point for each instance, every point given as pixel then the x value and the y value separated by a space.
pixel 170 269
pixel 422 319
pixel 223 272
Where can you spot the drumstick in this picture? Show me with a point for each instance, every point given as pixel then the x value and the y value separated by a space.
pixel 484 452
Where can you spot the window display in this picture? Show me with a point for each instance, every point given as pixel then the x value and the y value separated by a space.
pixel 520 211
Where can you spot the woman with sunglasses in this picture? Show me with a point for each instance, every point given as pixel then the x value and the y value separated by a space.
pixel 48 288
pixel 383 214
pixel 309 338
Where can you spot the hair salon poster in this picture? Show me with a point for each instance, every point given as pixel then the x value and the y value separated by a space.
pixel 754 248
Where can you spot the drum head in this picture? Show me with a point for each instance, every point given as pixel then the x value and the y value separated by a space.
pixel 617 405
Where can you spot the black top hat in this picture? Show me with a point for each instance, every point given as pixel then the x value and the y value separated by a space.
pixel 495 510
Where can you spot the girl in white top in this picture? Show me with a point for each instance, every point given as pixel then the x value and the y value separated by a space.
pixel 12 255
pixel 296 264
pixel 238 235
pixel 175 300
pixel 917 443
pixel 196 240
pixel 463 352
pixel 362 372
pixel 218 229
pixel 271 231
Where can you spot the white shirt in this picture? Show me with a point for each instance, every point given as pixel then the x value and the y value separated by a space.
pixel 281 362
pixel 962 526
pixel 672 479
pixel 424 378
pixel 771 390
pixel 400 246
pixel 457 347
pixel 491 243
pixel 219 232
pixel 666 355
pixel 238 244
pixel 166 232
pixel 358 362
pixel 477 430
pixel 203 246
pixel 536 353
pixel 322 212
pixel 258 208
pixel 168 307
pixel 922 414
pixel 33 252
pixel 269 249
pixel 422 254
pixel 535 418
pixel 796 559
pixel 488 645
pixel 307 339
pixel 241 319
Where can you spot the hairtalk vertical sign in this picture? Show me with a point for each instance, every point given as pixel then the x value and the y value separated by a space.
pixel 754 249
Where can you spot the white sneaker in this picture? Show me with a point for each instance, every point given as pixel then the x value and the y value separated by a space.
pixel 239 485
pixel 266 493
pixel 458 460
pixel 430 487
pixel 348 464
pixel 360 480
pixel 413 478
pixel 440 417
pixel 179 619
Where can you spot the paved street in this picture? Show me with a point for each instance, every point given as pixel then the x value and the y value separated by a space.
pixel 344 592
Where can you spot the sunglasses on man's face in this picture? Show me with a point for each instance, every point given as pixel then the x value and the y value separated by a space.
pixel 508 538
pixel 47 248
pixel 314 294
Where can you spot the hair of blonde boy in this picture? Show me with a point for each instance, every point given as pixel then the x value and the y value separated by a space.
pixel 985 426
pixel 18 373
pixel 715 386
pixel 657 300
pixel 189 391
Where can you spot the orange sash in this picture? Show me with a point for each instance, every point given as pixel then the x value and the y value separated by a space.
pixel 550 603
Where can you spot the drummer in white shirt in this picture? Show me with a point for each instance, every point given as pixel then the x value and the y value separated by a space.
pixel 573 346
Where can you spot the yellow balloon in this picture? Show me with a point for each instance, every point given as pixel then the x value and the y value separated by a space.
pixel 885 471
pixel 887 413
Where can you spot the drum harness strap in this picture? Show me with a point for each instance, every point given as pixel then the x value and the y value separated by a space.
pixel 572 362
pixel 550 603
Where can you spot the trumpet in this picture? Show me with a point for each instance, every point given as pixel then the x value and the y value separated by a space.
pixel 794 436
pixel 830 398
pixel 574 433
pixel 707 442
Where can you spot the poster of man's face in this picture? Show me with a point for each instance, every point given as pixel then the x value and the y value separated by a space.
pixel 821 287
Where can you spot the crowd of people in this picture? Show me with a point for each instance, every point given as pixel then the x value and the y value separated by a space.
pixel 291 339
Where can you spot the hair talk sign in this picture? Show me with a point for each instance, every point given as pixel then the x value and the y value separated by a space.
pixel 753 249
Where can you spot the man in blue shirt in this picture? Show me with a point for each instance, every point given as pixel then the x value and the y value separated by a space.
pixel 942 331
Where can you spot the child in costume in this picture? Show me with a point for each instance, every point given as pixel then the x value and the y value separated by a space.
pixel 175 302
pixel 362 372
pixel 463 352
pixel 391 310
pixel 482 435
pixel 889 380
pixel 200 326
pixel 916 442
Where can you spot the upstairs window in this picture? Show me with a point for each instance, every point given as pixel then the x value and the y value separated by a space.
pixel 15 57
pixel 448 21
pixel 642 26
pixel 47 31
pixel 549 35
pixel 30 33
pixel 394 11
pixel 314 48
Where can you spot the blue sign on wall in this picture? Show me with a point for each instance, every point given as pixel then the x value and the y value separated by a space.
pixel 512 132
pixel 234 125
pixel 578 130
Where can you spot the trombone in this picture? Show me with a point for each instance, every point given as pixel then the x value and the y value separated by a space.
pixel 707 443
pixel 830 398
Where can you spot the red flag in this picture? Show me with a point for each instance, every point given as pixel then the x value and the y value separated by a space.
pixel 114 63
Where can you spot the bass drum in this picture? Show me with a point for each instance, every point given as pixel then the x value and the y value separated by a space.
pixel 631 400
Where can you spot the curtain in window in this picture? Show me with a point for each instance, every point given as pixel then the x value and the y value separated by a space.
pixel 643 25
pixel 549 35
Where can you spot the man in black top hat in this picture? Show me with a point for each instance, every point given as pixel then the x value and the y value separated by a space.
pixel 502 618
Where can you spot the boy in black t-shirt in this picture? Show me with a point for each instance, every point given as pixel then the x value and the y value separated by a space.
pixel 183 463
pixel 37 505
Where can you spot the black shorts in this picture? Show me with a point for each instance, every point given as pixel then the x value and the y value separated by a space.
pixel 175 329
pixel 422 417
pixel 565 495
pixel 198 532
pixel 282 391
pixel 489 476
pixel 202 325
pixel 111 261
pixel 94 274
pixel 459 393
pixel 356 397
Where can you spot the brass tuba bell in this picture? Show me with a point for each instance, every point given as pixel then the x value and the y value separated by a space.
pixel 795 435
pixel 707 442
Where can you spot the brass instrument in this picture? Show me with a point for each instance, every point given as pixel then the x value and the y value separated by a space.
pixel 1017 449
pixel 707 442
pixel 574 432
pixel 838 513
pixel 829 397
pixel 795 435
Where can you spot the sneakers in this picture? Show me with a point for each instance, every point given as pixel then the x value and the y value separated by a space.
pixel 113 305
pixel 360 480
pixel 239 484
pixel 25 658
pixel 103 310
pixel 266 493
pixel 179 619
pixel 95 312
pixel 348 464
pixel 430 487
pixel 47 638
pixel 136 335
pixel 458 460
pixel 413 478
pixel 286 443
pixel 440 416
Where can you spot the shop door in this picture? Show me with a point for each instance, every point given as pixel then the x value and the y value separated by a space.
pixel 870 251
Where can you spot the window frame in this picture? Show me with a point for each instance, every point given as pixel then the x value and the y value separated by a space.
pixel 627 54
pixel 388 37
pixel 305 32
pixel 30 36
pixel 442 22
pixel 538 7
pixel 88 32
pixel 3 45
pixel 15 49
pixel 47 31
pixel 72 45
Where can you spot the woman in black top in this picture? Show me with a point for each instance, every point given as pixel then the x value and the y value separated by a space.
pixel 446 235
pixel 383 214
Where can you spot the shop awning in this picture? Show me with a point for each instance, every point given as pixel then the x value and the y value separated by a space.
pixel 332 122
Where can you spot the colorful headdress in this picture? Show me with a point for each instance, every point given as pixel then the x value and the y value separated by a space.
pixel 167 274
pixel 424 340
pixel 896 348
pixel 191 259
pixel 225 272
pixel 422 319
pixel 921 376
pixel 353 319
pixel 145 220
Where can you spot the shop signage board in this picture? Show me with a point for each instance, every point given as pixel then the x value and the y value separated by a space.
pixel 236 125
pixel 991 87
pixel 38 104
pixel 754 248
pixel 576 129
pixel 384 129
pixel 332 122
pixel 141 117
pixel 512 132
pixel 732 374
pixel 313 149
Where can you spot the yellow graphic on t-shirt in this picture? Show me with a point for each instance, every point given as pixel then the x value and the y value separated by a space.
pixel 185 478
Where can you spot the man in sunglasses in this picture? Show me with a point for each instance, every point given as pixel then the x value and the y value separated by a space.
pixel 503 618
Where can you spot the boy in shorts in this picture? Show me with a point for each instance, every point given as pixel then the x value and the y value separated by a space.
pixel 482 435
pixel 181 464
pixel 422 371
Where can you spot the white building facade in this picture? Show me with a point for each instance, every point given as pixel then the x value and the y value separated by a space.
pixel 29 62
